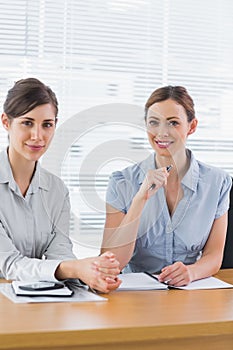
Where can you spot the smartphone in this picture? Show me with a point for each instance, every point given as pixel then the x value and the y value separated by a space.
pixel 40 286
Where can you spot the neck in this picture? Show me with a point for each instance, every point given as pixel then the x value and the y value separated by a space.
pixel 22 169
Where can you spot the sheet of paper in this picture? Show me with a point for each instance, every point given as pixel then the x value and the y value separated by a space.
pixel 139 281
pixel 80 295
pixel 206 283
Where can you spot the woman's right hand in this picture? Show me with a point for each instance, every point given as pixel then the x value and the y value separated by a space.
pixel 99 273
pixel 154 179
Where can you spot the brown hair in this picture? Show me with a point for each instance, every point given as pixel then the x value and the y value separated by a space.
pixel 176 93
pixel 25 95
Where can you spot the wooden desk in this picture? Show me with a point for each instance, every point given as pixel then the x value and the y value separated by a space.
pixel 160 320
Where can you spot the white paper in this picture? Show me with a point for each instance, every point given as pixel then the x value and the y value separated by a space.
pixel 206 283
pixel 139 281
pixel 80 295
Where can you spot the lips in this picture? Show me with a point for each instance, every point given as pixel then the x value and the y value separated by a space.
pixel 163 144
pixel 35 147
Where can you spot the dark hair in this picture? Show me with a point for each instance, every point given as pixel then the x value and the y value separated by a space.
pixel 177 93
pixel 25 95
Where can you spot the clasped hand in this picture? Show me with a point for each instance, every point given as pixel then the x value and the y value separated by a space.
pixel 101 273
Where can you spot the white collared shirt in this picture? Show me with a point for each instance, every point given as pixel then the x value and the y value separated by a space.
pixel 33 229
pixel 163 239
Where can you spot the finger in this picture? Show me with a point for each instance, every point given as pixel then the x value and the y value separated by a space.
pixel 100 285
pixel 108 271
pixel 178 282
pixel 173 268
pixel 108 256
pixel 114 285
pixel 168 275
pixel 104 286
pixel 103 266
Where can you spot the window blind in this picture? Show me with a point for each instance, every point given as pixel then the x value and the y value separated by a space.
pixel 114 51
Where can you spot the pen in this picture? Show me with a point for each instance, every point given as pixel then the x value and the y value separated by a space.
pixel 151 275
pixel 156 278
pixel 153 185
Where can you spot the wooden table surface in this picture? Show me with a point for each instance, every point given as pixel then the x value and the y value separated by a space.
pixel 160 320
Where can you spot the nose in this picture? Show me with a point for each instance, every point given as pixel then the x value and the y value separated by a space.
pixel 163 130
pixel 36 132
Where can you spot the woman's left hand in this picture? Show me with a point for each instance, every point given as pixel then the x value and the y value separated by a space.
pixel 176 274
pixel 107 268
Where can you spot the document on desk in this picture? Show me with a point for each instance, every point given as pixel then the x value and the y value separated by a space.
pixel 206 283
pixel 80 294
pixel 144 281
pixel 140 281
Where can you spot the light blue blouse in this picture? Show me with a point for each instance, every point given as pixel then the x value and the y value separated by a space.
pixel 162 239
pixel 33 229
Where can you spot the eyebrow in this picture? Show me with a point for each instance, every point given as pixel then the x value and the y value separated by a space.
pixel 31 119
pixel 157 118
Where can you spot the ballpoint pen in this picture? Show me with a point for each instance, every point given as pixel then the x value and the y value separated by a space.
pixel 153 185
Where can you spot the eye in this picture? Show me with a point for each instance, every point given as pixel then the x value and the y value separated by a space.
pixel 173 123
pixel 48 125
pixel 27 123
pixel 153 122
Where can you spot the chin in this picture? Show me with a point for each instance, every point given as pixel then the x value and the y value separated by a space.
pixel 163 152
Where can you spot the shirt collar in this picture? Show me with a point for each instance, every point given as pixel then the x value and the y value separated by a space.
pixel 38 181
pixel 190 179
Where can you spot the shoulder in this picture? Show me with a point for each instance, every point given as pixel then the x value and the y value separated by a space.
pixel 214 178
pixel 135 172
pixel 51 182
pixel 212 172
pixel 127 173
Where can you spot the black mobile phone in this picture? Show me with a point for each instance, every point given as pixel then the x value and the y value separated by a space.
pixel 40 286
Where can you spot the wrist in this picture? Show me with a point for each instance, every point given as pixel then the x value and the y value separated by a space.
pixel 139 199
pixel 192 274
pixel 64 270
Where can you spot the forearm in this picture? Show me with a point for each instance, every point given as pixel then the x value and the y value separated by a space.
pixel 212 255
pixel 208 265
pixel 121 240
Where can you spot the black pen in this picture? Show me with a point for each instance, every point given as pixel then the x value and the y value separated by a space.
pixel 156 278
pixel 153 185
pixel 151 275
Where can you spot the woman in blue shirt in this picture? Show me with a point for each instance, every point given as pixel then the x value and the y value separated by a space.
pixel 172 223
pixel 34 206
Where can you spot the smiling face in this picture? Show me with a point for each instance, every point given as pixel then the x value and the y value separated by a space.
pixel 168 127
pixel 31 133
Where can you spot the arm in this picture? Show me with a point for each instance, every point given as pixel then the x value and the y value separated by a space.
pixel 99 273
pixel 179 274
pixel 16 266
pixel 121 229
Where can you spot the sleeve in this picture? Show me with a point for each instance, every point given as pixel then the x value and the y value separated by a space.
pixel 224 197
pixel 117 192
pixel 15 266
pixel 61 246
